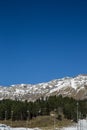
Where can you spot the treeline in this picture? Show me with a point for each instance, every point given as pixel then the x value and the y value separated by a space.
pixel 62 106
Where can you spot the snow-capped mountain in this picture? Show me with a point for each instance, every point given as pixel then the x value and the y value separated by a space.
pixel 73 87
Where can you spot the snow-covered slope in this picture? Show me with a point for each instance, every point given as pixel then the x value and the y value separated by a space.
pixel 73 87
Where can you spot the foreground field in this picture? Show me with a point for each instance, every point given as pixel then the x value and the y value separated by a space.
pixel 43 122
pixel 82 125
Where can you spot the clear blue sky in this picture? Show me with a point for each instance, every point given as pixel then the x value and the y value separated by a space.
pixel 41 40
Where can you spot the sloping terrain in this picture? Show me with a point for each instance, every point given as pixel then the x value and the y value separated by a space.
pixel 73 87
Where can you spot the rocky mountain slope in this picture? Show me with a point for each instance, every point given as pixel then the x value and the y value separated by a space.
pixel 73 87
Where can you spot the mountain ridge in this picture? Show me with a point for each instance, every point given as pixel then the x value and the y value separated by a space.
pixel 75 87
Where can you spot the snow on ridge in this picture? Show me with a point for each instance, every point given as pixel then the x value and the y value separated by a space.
pixel 73 84
pixel 65 85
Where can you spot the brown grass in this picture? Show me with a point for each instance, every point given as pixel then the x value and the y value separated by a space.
pixel 44 122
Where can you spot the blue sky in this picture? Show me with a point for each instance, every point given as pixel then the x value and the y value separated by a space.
pixel 41 40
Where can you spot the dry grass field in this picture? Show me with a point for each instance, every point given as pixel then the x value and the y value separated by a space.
pixel 43 122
